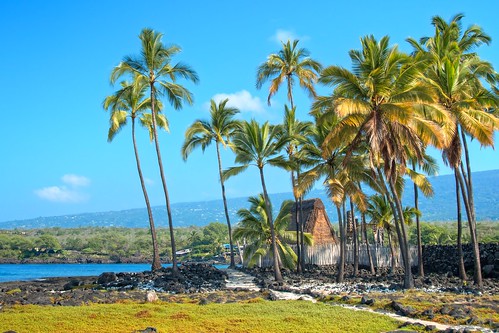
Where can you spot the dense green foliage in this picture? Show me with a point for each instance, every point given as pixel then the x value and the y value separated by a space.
pixel 205 242
pixel 109 243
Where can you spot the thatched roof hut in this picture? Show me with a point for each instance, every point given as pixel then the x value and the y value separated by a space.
pixel 316 221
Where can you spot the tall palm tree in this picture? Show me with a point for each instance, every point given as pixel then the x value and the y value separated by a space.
pixel 254 228
pixel 219 129
pixel 456 73
pixel 295 132
pixel 380 105
pixel 259 145
pixel 130 102
pixel 284 66
pixel 154 66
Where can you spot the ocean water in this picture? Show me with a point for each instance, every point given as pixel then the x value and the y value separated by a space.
pixel 26 272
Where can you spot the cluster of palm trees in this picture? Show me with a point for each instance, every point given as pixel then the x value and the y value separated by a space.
pixel 371 131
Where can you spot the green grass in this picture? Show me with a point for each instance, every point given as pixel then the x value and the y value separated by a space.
pixel 251 316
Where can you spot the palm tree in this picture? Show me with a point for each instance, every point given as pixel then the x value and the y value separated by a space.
pixel 288 63
pixel 254 228
pixel 219 129
pixel 129 102
pixel 295 132
pixel 154 66
pixel 381 215
pixel 380 105
pixel 456 73
pixel 327 163
pixel 259 145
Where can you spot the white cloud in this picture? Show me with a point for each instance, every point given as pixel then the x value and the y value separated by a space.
pixel 60 194
pixel 282 36
pixel 67 193
pixel 242 100
pixel 75 180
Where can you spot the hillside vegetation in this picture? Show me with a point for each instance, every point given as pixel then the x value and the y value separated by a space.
pixel 99 244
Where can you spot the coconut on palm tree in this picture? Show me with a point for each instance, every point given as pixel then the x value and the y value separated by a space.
pixel 219 129
pixel 130 103
pixel 288 65
pixel 254 229
pixel 259 145
pixel 154 66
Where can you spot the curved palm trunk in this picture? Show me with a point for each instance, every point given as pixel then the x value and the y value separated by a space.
pixel 232 261
pixel 163 181
pixel 341 264
pixel 461 269
pixel 355 242
pixel 408 280
pixel 392 252
pixel 469 183
pixel 418 229
pixel 156 262
pixel 369 255
pixel 477 276
pixel 275 253
pixel 398 215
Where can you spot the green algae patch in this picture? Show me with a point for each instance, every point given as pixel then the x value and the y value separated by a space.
pixel 260 316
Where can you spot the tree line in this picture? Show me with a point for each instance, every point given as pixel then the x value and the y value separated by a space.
pixel 206 243
pixel 372 130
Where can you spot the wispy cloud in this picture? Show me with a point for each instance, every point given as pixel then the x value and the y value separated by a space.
pixel 60 194
pixel 282 36
pixel 68 193
pixel 242 100
pixel 75 180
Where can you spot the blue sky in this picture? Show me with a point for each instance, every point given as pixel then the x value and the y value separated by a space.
pixel 56 59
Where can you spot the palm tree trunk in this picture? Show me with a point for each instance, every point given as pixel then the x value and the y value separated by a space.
pixel 302 236
pixel 391 199
pixel 461 269
pixel 477 276
pixel 418 228
pixel 341 264
pixel 302 226
pixel 369 255
pixel 297 221
pixel 469 183
pixel 232 261
pixel 355 241
pixel 156 262
pixel 275 254
pixel 408 280
pixel 392 252
pixel 163 181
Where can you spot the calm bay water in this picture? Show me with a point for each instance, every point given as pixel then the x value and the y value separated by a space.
pixel 25 272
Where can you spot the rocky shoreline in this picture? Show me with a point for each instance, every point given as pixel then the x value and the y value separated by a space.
pixel 202 283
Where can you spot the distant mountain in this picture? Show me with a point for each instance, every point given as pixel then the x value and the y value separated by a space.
pixel 441 207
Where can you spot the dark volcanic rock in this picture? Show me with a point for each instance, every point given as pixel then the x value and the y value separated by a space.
pixel 106 277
